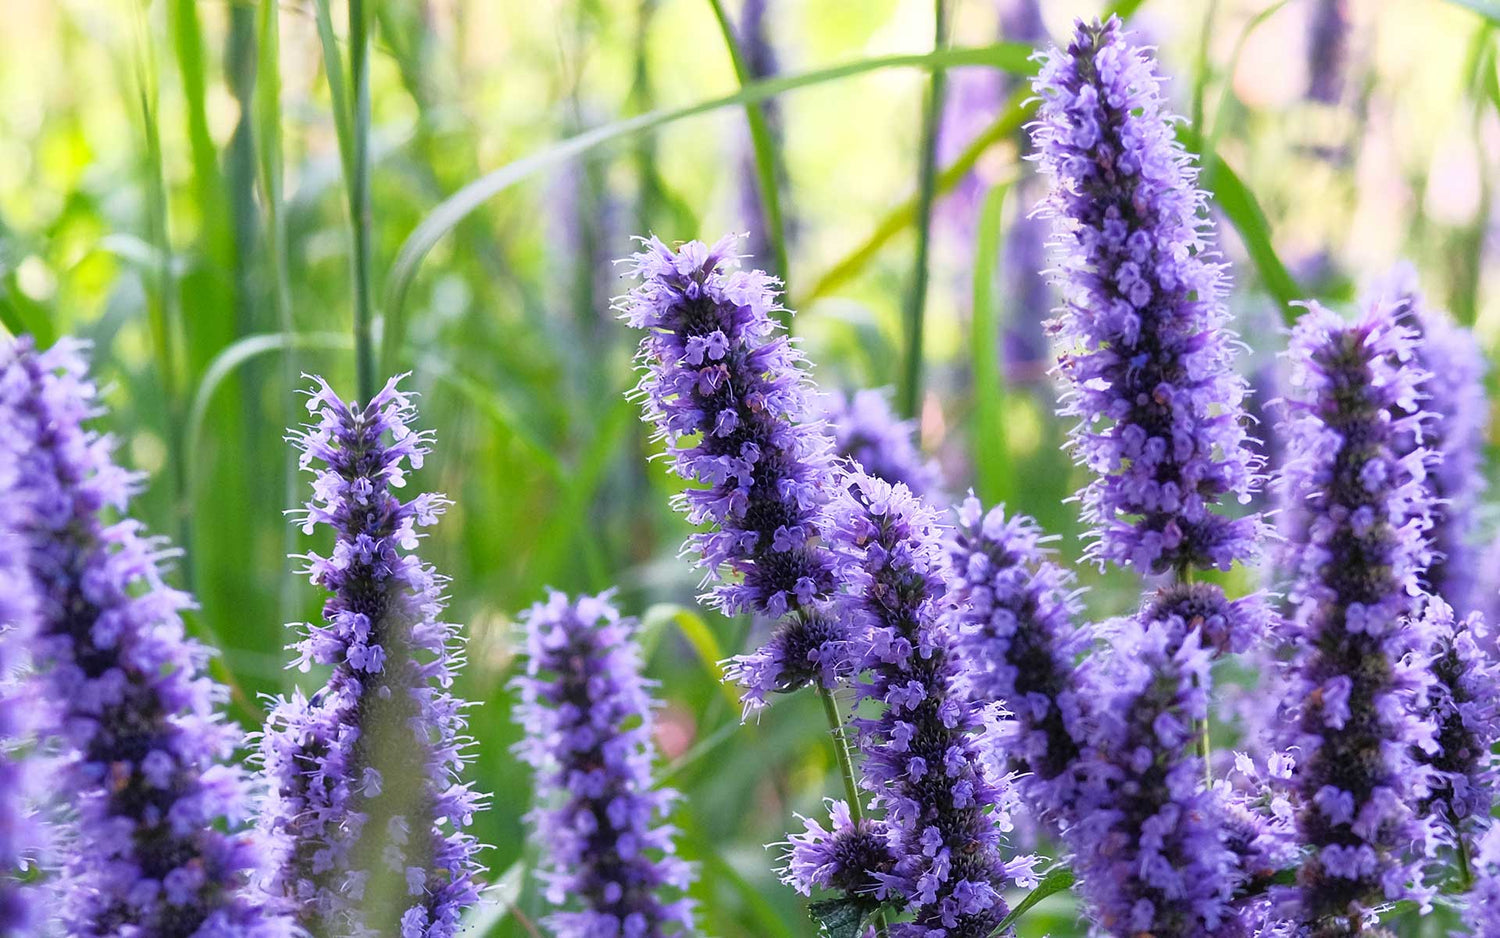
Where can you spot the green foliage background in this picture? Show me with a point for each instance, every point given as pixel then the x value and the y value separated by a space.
pixel 175 189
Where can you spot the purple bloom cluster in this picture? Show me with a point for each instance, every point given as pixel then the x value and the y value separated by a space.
pixel 852 857
pixel 1464 707
pixel 1013 611
pixel 1146 349
pixel 1454 399
pixel 587 714
pixel 128 703
pixel 866 430
pixel 923 753
pixel 19 834
pixel 1152 845
pixel 1358 679
pixel 717 375
pixel 367 813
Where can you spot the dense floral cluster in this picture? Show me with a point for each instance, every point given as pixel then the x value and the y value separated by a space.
pixel 587 714
pixel 717 375
pixel 1150 842
pixel 367 812
pixel 922 753
pixel 1013 611
pixel 1463 708
pixel 1357 679
pixel 1146 350
pixel 19 833
pixel 1454 399
pixel 852 857
pixel 129 706
pixel 866 430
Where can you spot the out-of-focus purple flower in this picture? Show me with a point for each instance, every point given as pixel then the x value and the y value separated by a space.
pixel 1454 399
pixel 159 815
pixel 1146 348
pixel 1464 706
pixel 20 835
pixel 1481 906
pixel 1359 680
pixel 717 375
pixel 922 754
pixel 849 857
pixel 588 717
pixel 867 430
pixel 1151 844
pixel 1327 50
pixel 367 812
pixel 1013 611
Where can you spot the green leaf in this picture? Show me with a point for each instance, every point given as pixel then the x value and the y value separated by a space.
pixel 1243 211
pixel 990 450
pixel 843 917
pixel 1010 56
pixel 1056 880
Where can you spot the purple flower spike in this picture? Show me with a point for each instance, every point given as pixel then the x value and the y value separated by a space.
pixel 1358 680
pixel 131 709
pixel 1153 848
pixel 923 753
pixel 1013 615
pixel 866 430
pixel 853 858
pixel 587 713
pixel 367 811
pixel 1458 415
pixel 1147 353
pixel 1464 706
pixel 20 836
pixel 717 375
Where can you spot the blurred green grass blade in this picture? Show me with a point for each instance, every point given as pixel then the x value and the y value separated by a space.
pixel 236 355
pixel 1124 9
pixel 496 902
pixel 500 411
pixel 1488 9
pixel 1239 205
pixel 770 924
pixel 1056 880
pixel 21 314
pixel 1010 56
pixel 916 299
pixel 1012 117
pixel 338 89
pixel 358 184
pixel 567 524
pixel 991 452
pixel 764 146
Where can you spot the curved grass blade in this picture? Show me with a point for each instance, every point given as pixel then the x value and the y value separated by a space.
pixel 990 450
pixel 764 145
pixel 1010 56
pixel 496 902
pixel 1056 880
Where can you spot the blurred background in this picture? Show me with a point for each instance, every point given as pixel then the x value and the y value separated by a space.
pixel 175 190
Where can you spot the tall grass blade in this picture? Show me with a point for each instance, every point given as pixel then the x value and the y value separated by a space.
pixel 358 184
pixel 764 145
pixel 1010 56
pixel 916 301
pixel 990 449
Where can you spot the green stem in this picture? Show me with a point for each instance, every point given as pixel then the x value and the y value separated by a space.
pixel 846 769
pixel 1465 871
pixel 358 184
pixel 916 306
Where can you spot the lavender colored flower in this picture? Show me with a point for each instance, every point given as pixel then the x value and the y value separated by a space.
pixel 1454 398
pixel 130 707
pixel 1357 682
pixel 718 376
pixel 1462 705
pixel 1147 353
pixel 587 713
pixel 367 812
pixel 1013 611
pixel 922 754
pixel 1151 845
pixel 1481 906
pixel 19 833
pixel 867 430
pixel 852 857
